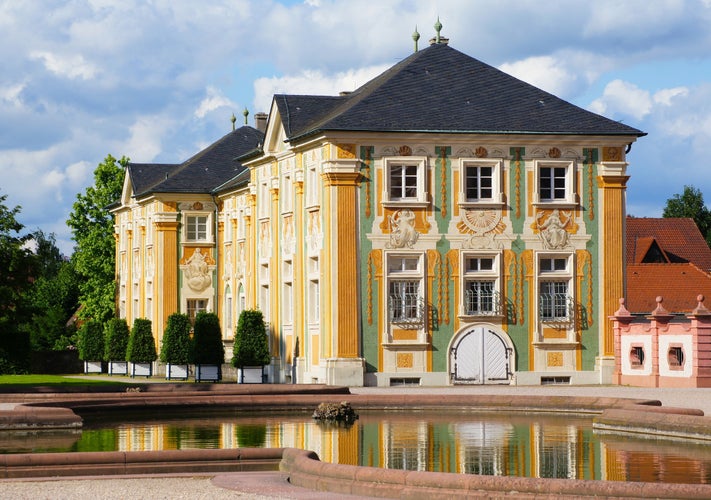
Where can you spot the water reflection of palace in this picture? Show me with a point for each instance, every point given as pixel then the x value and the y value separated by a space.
pixel 494 445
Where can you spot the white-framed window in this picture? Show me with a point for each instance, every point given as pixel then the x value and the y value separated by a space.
pixel 287 298
pixel 194 306
pixel 480 281
pixel 197 227
pixel 264 199
pixel 555 288
pixel 313 186
pixel 405 180
pixel 405 289
pixel 313 291
pixel 264 297
pixel 286 193
pixel 241 224
pixel 480 182
pixel 241 300
pixel 228 309
pixel 555 182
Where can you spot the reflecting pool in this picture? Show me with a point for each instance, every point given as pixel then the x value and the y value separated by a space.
pixel 452 441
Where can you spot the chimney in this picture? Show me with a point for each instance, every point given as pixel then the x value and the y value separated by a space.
pixel 260 121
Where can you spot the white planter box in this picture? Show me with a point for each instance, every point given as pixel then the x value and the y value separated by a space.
pixel 141 369
pixel 211 373
pixel 118 367
pixel 251 375
pixel 176 372
pixel 92 366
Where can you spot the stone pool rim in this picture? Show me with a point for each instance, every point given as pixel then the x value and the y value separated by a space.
pixel 49 409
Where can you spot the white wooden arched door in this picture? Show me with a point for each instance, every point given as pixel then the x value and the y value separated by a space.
pixel 480 356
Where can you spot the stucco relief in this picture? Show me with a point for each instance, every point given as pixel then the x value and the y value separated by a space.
pixel 288 240
pixel 483 226
pixel 402 229
pixel 314 236
pixel 241 261
pixel 552 230
pixel 197 272
pixel 265 240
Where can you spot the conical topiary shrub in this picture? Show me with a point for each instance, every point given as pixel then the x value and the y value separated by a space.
pixel 176 350
pixel 176 340
pixel 91 346
pixel 251 342
pixel 208 348
pixel 91 341
pixel 141 346
pixel 116 335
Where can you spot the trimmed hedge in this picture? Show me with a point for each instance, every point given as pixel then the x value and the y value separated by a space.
pixel 116 334
pixel 251 342
pixel 141 345
pixel 91 341
pixel 176 348
pixel 208 348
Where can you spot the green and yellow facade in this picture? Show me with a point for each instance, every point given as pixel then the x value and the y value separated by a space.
pixel 392 256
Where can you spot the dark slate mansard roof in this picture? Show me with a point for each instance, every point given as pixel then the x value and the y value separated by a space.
pixel 440 89
pixel 211 167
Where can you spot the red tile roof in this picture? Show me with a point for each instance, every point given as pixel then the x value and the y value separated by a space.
pixel 679 238
pixel 678 284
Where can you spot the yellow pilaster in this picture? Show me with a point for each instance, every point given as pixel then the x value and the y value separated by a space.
pixel 142 279
pixel 166 287
pixel 612 186
pixel 275 275
pixel 341 180
pixel 131 313
pixel 250 269
pixel 299 282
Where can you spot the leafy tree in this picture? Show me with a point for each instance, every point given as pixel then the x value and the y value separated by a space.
pixel 16 267
pixel 49 258
pixel 208 348
pixel 141 344
pixel 93 231
pixel 251 342
pixel 91 341
pixel 53 298
pixel 690 204
pixel 116 334
pixel 176 348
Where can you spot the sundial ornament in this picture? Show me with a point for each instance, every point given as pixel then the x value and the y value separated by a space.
pixel 481 224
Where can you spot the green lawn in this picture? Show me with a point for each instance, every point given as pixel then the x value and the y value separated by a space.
pixel 52 380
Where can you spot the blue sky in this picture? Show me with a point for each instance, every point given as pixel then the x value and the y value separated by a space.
pixel 158 80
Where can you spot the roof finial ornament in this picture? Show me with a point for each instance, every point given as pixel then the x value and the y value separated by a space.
pixel 233 119
pixel 415 37
pixel 438 28
pixel 245 113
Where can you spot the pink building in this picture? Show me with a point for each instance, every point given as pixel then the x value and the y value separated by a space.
pixel 662 349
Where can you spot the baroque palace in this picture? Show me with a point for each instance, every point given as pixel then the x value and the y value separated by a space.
pixel 444 223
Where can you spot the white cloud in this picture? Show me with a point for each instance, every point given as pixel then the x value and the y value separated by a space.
pixel 72 67
pixel 78 173
pixel 624 98
pixel 11 94
pixel 146 138
pixel 564 73
pixel 666 96
pixel 312 82
pixel 214 100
